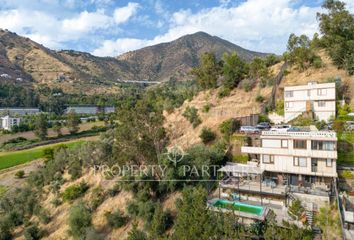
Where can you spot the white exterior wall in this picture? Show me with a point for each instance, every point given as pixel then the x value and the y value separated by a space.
pixel 312 92
pixel 8 122
pixel 284 156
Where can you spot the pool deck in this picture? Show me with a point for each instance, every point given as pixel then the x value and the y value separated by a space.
pixel 239 213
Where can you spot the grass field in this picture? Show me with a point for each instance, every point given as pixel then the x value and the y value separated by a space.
pixel 11 159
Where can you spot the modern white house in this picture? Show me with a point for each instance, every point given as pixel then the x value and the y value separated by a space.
pixel 8 122
pixel 318 98
pixel 303 161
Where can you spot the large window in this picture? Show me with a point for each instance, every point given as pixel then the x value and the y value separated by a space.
pixel 268 158
pixel 289 93
pixel 323 145
pixel 300 144
pixel 300 161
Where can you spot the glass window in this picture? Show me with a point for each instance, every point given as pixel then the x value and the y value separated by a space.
pixel 289 93
pixel 323 145
pixel 284 143
pixel 302 162
pixel 321 92
pixel 329 162
pixel 300 144
pixel 268 158
pixel 321 103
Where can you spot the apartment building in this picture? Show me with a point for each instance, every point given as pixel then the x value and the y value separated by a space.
pixel 8 122
pixel 318 98
pixel 305 161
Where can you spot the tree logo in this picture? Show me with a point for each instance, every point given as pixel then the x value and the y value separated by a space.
pixel 175 154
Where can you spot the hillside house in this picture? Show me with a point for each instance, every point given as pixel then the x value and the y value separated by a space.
pixel 315 98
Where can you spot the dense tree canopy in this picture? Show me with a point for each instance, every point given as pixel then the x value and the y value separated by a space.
pixel 337 28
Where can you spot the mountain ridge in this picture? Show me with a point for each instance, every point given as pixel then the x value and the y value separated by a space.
pixel 30 62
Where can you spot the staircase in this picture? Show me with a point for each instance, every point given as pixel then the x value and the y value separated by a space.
pixel 309 217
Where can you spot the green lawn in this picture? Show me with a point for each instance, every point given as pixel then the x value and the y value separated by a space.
pixel 11 159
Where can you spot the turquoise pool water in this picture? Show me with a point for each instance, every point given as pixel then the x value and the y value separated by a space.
pixel 238 206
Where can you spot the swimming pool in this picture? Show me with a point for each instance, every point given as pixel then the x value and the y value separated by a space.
pixel 238 206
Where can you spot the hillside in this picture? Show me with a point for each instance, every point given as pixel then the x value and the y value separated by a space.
pixel 240 103
pixel 25 61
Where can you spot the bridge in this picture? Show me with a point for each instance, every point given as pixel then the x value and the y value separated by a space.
pixel 138 81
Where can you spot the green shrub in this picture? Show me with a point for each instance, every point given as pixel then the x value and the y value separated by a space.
pixel 191 113
pixel 259 98
pixel 20 174
pixel 116 219
pixel 347 174
pixel 136 234
pixel 224 92
pixel 247 85
pixel 207 135
pixel 97 197
pixel 79 220
pixel 75 191
pixel 160 222
pixel 228 127
pixel 296 209
pixel 33 233
pixel 114 190
pixel 279 107
pixel 317 62
pixel 206 108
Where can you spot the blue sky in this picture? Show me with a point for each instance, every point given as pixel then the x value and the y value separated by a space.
pixel 112 27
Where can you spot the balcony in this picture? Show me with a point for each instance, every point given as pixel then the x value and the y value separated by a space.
pixel 290 152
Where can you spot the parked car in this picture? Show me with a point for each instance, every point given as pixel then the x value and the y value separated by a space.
pixel 249 129
pixel 349 125
pixel 263 126
pixel 281 128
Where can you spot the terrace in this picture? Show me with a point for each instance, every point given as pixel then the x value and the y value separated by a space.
pixel 251 179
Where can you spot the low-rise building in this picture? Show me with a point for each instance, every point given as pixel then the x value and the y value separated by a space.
pixel 320 99
pixel 18 111
pixel 8 122
pixel 89 110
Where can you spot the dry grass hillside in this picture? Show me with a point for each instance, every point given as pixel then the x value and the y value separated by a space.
pixel 241 103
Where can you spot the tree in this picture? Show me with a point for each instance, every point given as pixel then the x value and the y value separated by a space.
pixel 300 51
pixel 234 70
pixel 73 122
pixel 116 219
pixel 337 28
pixel 207 135
pixel 79 220
pixel 33 233
pixel 207 72
pixel 41 126
pixel 228 127
pixel 57 128
pixel 160 222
